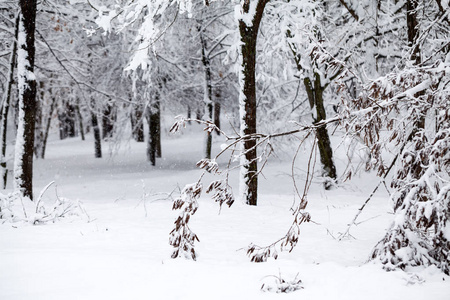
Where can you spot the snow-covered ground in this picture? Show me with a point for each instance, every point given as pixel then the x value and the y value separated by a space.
pixel 120 249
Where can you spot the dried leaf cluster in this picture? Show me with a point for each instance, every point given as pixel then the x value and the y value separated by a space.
pixel 181 237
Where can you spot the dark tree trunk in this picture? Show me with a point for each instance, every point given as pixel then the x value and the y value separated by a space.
pixel 413 34
pixel 27 101
pixel 189 114
pixel 207 97
pixel 217 108
pixel 97 137
pixel 198 114
pixel 71 121
pixel 137 124
pixel 6 104
pixel 39 130
pixel 67 121
pixel 314 91
pixel 151 143
pixel 154 133
pixel 80 120
pixel 249 35
pixel 47 127
pixel 62 116
pixel 157 123
pixel 108 121
pixel 412 23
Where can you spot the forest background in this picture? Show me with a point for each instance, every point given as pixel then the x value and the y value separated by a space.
pixel 262 77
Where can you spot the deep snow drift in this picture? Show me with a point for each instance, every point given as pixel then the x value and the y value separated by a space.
pixel 120 249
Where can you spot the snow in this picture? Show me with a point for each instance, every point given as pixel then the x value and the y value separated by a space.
pixel 243 188
pixel 104 18
pixel 23 76
pixel 246 17
pixel 123 251
pixel 19 146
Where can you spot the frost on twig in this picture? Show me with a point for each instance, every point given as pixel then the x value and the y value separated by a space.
pixel 181 237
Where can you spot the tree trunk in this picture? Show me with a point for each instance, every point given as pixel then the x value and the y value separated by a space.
pixel 247 100
pixel 80 120
pixel 47 127
pixel 413 34
pixel 157 123
pixel 154 132
pixel 217 108
pixel 189 114
pixel 314 90
pixel 411 22
pixel 39 131
pixel 108 121
pixel 6 104
pixel 67 121
pixel 97 137
pixel 207 94
pixel 23 161
pixel 137 124
pixel 315 97
pixel 198 114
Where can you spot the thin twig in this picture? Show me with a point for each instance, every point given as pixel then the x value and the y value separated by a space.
pixel 346 233
pixel 42 194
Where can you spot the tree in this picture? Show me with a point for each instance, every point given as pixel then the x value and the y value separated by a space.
pixel 422 192
pixel 207 98
pixel 249 21
pixel 7 103
pixel 23 162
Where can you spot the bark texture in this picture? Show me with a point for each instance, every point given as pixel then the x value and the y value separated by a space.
pixel 154 136
pixel 207 94
pixel 23 167
pixel 217 109
pixel 314 91
pixel 47 126
pixel 137 124
pixel 97 137
pixel 247 102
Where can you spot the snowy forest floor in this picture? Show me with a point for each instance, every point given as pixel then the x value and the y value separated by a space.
pixel 121 250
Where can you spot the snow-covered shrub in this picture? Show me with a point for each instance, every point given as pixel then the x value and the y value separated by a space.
pixel 276 284
pixel 16 208
pixel 412 104
pixel 420 233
